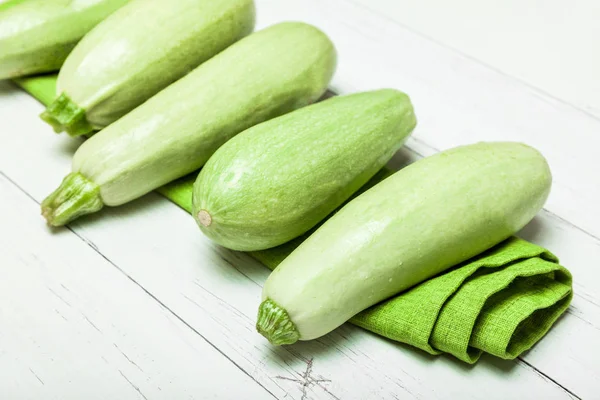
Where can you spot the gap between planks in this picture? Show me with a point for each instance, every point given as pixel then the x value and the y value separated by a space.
pixel 544 95
pixel 154 298
pixel 424 150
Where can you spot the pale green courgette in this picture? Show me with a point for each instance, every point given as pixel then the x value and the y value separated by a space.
pixel 278 179
pixel 265 75
pixel 428 217
pixel 136 52
pixel 37 35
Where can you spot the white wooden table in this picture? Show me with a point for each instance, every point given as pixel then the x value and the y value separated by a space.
pixel 136 303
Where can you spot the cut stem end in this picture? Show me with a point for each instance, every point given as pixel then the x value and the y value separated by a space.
pixel 76 196
pixel 64 115
pixel 275 324
pixel 204 218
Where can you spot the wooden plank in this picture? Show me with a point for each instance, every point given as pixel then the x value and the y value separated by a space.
pixel 74 326
pixel 227 284
pixel 546 44
pixel 569 352
pixel 217 293
pixel 457 101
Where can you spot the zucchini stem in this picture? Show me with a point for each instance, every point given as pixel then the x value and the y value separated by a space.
pixel 64 115
pixel 275 324
pixel 204 217
pixel 76 196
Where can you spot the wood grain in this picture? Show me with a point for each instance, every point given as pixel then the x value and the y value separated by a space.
pixel 142 269
pixel 74 326
pixel 549 45
pixel 216 292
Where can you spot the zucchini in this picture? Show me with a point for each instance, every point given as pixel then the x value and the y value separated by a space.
pixel 265 75
pixel 37 35
pixel 424 219
pixel 278 179
pixel 136 52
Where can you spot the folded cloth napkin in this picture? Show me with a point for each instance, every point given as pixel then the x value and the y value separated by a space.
pixel 500 302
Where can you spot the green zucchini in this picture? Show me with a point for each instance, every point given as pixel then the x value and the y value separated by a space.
pixel 37 35
pixel 429 216
pixel 136 52
pixel 265 75
pixel 278 179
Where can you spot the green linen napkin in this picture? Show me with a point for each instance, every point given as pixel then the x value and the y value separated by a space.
pixel 10 3
pixel 501 302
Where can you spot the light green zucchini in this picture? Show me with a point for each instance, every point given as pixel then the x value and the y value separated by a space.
pixel 37 35
pixel 136 52
pixel 278 179
pixel 428 217
pixel 265 75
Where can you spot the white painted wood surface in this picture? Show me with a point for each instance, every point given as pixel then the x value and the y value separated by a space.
pixel 74 326
pixel 551 45
pixel 134 302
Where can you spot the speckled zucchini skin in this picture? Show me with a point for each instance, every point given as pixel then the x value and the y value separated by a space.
pixel 428 217
pixel 278 179
pixel 267 74
pixel 141 49
pixel 37 35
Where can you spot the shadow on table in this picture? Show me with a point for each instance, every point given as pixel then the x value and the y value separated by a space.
pixel 352 342
pixel 532 231
pixel 8 88
pixel 146 204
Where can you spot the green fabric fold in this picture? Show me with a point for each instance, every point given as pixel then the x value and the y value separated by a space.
pixel 484 305
pixel 501 302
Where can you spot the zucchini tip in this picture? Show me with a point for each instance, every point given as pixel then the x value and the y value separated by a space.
pixel 275 324
pixel 76 196
pixel 66 116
